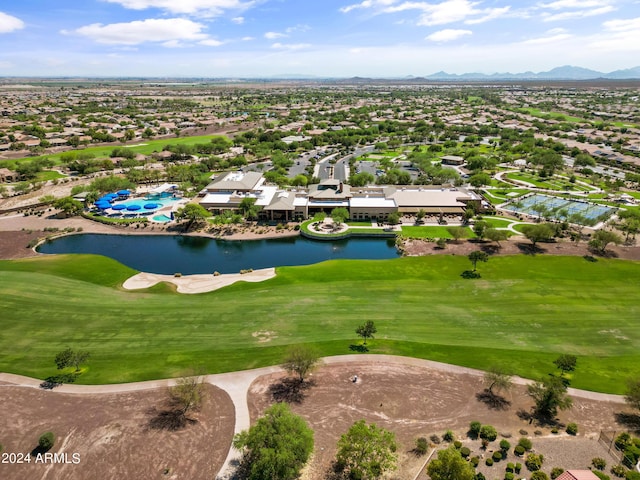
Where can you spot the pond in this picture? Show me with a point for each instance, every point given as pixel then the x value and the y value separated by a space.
pixel 169 254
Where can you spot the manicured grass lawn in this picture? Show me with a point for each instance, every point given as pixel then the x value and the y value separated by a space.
pixel 498 222
pixel 359 224
pixel 561 117
pixel 522 313
pixel 431 232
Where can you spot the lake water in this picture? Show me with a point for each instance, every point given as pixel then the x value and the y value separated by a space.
pixel 168 254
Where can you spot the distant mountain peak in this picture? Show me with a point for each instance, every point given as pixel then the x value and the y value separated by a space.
pixel 564 72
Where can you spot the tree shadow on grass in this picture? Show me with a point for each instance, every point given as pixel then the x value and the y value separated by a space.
pixel 54 381
pixel 493 400
pixel 290 390
pixel 170 419
pixel 629 420
pixel 358 348
pixel 490 248
pixel 529 248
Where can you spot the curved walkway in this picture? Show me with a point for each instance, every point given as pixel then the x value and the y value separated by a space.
pixel 236 385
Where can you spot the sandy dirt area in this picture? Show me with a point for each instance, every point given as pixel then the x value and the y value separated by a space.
pixel 115 435
pixel 197 283
pixel 415 401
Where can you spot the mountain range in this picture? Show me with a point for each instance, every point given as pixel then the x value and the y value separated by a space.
pixel 566 72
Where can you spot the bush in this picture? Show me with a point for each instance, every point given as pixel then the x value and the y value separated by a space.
pixel 46 440
pixel 534 462
pixel 504 445
pixel 618 470
pixel 554 430
pixel 474 430
pixel 457 444
pixel 497 456
pixel 599 463
pixel 489 462
pixel 448 436
pixel 623 440
pixel 487 432
pixel 572 429
pixel 474 461
pixel 556 472
pixel 601 476
pixel 525 443
pixel 465 452
pixel 422 446
pixel 630 475
pixel 519 450
pixel 510 467
pixel 538 475
pixel 518 467
pixel 509 476
pixel 435 439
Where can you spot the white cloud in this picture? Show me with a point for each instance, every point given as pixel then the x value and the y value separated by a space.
pixel 367 4
pixel 238 20
pixel 578 14
pixel 140 31
pixel 274 35
pixel 210 7
pixel 620 36
pixel 565 4
pixel 247 39
pixel 448 35
pixel 290 46
pixel 551 36
pixel 210 42
pixel 9 23
pixel 622 25
pixel 491 14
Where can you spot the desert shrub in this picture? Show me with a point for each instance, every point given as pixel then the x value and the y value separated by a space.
pixel 518 467
pixel 487 432
pixel 525 443
pixel 474 461
pixel 489 462
pixel 441 243
pixel 572 428
pixel 630 475
pixel 465 452
pixel 510 467
pixel 448 436
pixel 474 430
pixel 618 470
pixel 435 439
pixel 519 450
pixel 504 445
pixel 422 446
pixel 554 430
pixel 556 472
pixel 509 476
pixel 46 440
pixel 457 444
pixel 599 463
pixel 497 456
pixel 632 453
pixel 177 274
pixel 602 476
pixel 523 432
pixel 534 462
pixel 538 475
pixel 537 433
pixel 479 476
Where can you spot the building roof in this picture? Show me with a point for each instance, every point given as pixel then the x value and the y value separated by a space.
pixel 428 198
pixel 282 201
pixel 577 475
pixel 368 202
pixel 233 181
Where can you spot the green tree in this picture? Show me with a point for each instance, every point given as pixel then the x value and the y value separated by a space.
pixel 69 206
pixel 480 228
pixel 458 232
pixel 477 256
pixel 339 215
pixel 366 330
pixel 450 466
pixel 495 235
pixel 187 393
pixel 69 357
pixel 498 379
pixel 367 451
pixel 602 238
pixel 542 232
pixel 300 360
pixel 480 180
pixel 249 208
pixel 393 218
pixel 277 446
pixel 46 440
pixel 194 213
pixel 566 363
pixel 549 396
pixel 632 395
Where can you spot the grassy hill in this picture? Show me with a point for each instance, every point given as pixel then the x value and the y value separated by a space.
pixel 521 314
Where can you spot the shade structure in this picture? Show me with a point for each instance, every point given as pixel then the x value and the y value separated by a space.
pixel 151 206
pixel 104 199
pixel 103 205
pixel 133 208
pixel 119 206
pixel 124 192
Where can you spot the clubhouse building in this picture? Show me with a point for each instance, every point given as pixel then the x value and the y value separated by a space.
pixel 375 202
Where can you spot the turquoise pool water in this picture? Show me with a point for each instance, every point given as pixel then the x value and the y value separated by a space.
pixel 161 218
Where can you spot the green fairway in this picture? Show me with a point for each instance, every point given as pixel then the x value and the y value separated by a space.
pixel 522 313
pixel 431 232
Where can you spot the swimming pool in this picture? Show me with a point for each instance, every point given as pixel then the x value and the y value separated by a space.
pixel 161 218
pixel 141 202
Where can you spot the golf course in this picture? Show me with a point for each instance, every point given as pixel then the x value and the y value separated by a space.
pixel 520 315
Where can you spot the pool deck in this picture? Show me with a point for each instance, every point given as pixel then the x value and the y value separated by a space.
pixel 191 284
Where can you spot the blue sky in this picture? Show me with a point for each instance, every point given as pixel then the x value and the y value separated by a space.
pixel 343 38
